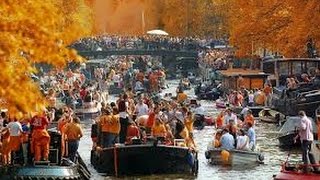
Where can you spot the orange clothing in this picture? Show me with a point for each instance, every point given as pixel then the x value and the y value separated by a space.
pixel 73 131
pixel 14 143
pixel 267 90
pixel 260 99
pixel 220 121
pixel 189 124
pixel 105 122
pixel 249 119
pixel 158 130
pixel 132 131
pixel 151 119
pixel 5 148
pixel 115 126
pixel 181 97
pixel 40 144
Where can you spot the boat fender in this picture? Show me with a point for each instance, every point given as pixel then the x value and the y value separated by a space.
pixel 190 159
pixel 207 154
pixel 225 156
pixel 261 157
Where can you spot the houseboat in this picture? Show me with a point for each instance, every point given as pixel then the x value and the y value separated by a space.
pixel 303 71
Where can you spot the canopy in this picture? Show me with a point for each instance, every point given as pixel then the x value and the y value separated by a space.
pixel 158 32
pixel 293 122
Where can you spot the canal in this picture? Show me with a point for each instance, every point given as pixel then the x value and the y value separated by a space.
pixel 266 139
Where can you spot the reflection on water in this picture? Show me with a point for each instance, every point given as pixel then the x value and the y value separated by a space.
pixel 266 139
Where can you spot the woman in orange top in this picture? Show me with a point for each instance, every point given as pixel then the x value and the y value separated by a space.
pixel 189 123
pixel 73 133
pixel 220 120
pixel 132 132
pixel 249 118
pixel 5 146
pixel 158 129
pixel 62 122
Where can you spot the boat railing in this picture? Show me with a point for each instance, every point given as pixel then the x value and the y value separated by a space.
pixel 308 92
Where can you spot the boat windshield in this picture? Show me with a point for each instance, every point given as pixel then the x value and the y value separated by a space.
pixel 292 123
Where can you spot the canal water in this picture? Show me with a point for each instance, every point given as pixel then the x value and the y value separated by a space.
pixel 266 139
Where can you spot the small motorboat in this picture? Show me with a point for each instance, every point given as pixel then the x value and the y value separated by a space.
pixel 289 130
pixel 271 116
pixel 236 158
pixel 144 159
pixel 290 171
pixel 87 110
pixel 221 104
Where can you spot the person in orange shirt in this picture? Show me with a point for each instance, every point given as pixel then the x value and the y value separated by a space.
pixel 181 96
pixel 188 122
pixel 132 132
pixel 110 128
pixel 158 129
pixel 249 118
pixel 40 137
pixel 5 146
pixel 220 120
pixel 267 91
pixel 62 122
pixel 260 98
pixel 73 133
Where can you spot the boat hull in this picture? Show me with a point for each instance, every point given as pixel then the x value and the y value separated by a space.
pixel 287 140
pixel 236 158
pixel 144 159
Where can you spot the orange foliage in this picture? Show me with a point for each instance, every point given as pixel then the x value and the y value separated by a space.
pixel 177 17
pixel 34 31
pixel 283 26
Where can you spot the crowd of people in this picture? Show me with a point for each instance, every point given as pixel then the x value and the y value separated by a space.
pixel 148 42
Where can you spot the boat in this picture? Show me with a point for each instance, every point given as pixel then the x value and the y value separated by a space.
pixel 88 110
pixel 254 109
pixel 144 159
pixel 113 89
pixel 221 104
pixel 56 168
pixel 289 130
pixel 290 171
pixel 305 97
pixel 236 158
pixel 271 116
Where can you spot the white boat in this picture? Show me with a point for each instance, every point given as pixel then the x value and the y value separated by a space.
pixel 236 158
pixel 88 110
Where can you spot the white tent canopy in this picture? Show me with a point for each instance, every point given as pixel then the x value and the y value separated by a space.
pixel 157 32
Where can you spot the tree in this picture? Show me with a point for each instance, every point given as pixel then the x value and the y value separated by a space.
pixel 284 26
pixel 35 31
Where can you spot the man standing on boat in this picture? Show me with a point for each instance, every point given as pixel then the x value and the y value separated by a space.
pixel 306 138
pixel 73 132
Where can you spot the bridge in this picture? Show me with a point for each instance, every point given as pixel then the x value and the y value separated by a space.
pixel 157 52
